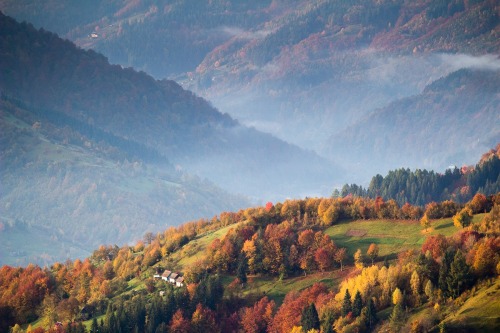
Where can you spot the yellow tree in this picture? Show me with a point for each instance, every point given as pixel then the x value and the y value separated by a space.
pixel 463 218
pixel 425 222
pixel 358 259
pixel 397 297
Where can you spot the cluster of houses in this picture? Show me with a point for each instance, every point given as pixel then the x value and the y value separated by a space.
pixel 171 277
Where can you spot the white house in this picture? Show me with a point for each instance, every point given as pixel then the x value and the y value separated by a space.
pixel 172 277
pixel 179 282
pixel 165 276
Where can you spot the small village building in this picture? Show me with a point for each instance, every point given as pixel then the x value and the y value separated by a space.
pixel 179 282
pixel 166 275
pixel 173 277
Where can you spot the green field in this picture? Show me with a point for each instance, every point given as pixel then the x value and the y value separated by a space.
pixel 391 236
pixel 277 290
pixel 195 249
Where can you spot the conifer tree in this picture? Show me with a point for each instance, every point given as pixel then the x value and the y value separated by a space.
pixel 241 271
pixel 397 317
pixel 346 304
pixel 460 276
pixel 94 328
pixel 328 320
pixel 309 319
pixel 371 314
pixel 357 305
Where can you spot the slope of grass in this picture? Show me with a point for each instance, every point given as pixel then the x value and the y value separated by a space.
pixel 195 249
pixel 277 289
pixel 479 313
pixel 392 237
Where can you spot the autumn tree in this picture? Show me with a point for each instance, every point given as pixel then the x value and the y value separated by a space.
pixel 429 290
pixel 257 318
pixel 372 252
pixel 340 256
pixel 415 286
pixel 425 222
pixel 179 324
pixel 359 259
pixel 463 218
pixel 490 223
pixel 478 203
pixel 203 320
pixel 397 297
pixel 485 258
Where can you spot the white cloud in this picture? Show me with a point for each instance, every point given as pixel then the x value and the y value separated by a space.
pixel 459 61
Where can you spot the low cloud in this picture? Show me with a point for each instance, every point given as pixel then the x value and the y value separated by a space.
pixel 484 62
pixel 244 34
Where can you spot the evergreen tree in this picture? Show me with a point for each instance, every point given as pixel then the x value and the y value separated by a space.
pixel 328 320
pixel 371 314
pixel 397 317
pixel 460 276
pixel 94 328
pixel 357 305
pixel 309 319
pixel 241 271
pixel 444 271
pixel 346 304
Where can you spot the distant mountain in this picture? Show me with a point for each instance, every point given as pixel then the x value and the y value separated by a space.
pixel 49 73
pixel 301 70
pixel 452 119
pixel 93 152
pixel 65 190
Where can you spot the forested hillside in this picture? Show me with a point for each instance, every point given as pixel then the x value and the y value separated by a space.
pixel 61 178
pixel 306 70
pixel 227 264
pixel 421 187
pixel 49 74
pixel 460 109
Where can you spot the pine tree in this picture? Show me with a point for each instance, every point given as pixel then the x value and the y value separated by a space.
pixel 94 328
pixel 371 313
pixel 460 276
pixel 241 271
pixel 357 305
pixel 397 317
pixel 346 304
pixel 328 320
pixel 309 319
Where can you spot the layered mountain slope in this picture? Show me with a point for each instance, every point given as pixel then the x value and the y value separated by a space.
pixel 65 191
pixel 449 121
pixel 302 70
pixel 53 76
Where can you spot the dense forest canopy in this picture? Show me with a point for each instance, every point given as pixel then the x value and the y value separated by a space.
pixel 420 187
